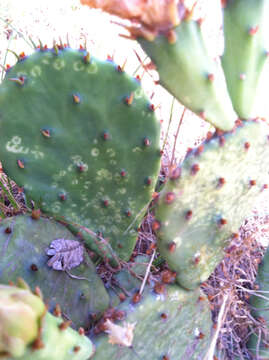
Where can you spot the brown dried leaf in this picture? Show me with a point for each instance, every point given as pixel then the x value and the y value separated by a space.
pixel 120 335
pixel 152 15
pixel 66 254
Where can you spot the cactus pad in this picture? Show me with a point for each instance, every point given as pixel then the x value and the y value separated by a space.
pixel 53 339
pixel 187 72
pixel 175 324
pixel 20 315
pixel 260 303
pixel 82 140
pixel 23 251
pixel 205 201
pixel 245 33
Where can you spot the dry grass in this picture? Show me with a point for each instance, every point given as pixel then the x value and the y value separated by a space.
pixel 235 276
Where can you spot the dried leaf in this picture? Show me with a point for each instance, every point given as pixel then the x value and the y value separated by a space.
pixel 152 15
pixel 120 335
pixel 66 254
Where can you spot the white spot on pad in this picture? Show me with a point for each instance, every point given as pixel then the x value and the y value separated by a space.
pixel 95 152
pixel 92 69
pixel 59 64
pixel 36 71
pixel 178 241
pixel 14 146
pixel 103 174
pixel 78 66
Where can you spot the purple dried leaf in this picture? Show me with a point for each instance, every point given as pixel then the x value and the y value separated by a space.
pixel 66 254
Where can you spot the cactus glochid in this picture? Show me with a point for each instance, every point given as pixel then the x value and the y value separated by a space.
pixel 28 331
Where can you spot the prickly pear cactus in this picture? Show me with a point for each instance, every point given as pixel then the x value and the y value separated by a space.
pixel 24 248
pixel 204 202
pixel 175 324
pixel 187 71
pixel 245 32
pixel 82 139
pixel 20 316
pixel 258 343
pixel 28 332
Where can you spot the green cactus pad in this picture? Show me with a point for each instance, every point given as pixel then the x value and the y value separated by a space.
pixel 187 72
pixel 260 305
pixel 245 32
pixel 20 315
pixel 81 138
pixel 206 200
pixel 23 250
pixel 175 324
pixel 53 338
pixel 59 344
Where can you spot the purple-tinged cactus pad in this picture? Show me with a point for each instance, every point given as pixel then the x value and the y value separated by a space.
pixel 24 244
